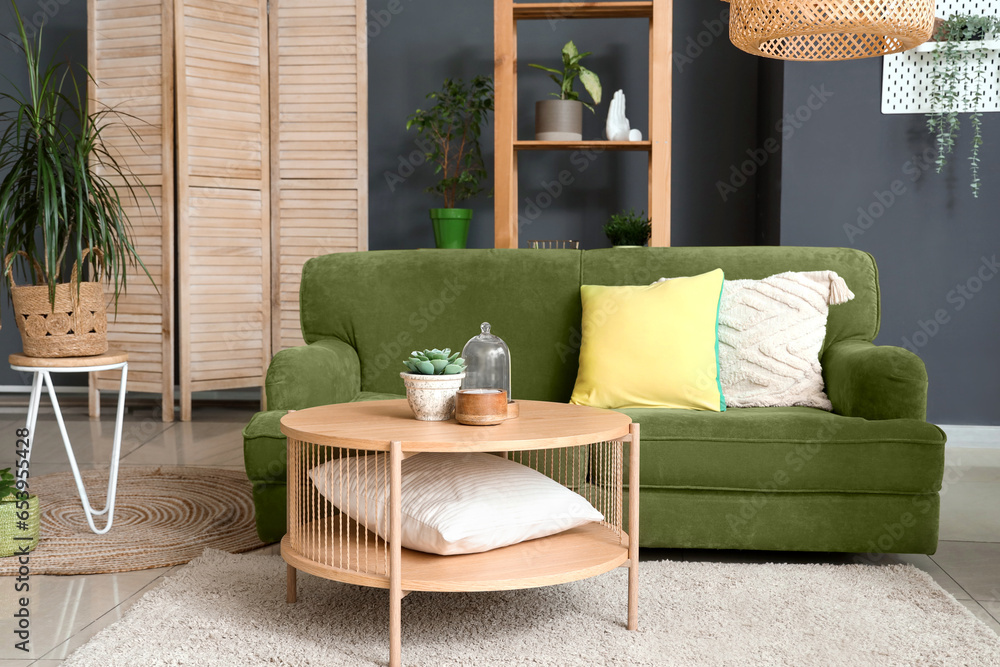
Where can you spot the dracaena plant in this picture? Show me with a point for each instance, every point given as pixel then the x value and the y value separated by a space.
pixel 453 126
pixel 571 71
pixel 64 191
pixel 957 81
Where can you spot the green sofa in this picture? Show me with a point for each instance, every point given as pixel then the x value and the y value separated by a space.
pixel 864 478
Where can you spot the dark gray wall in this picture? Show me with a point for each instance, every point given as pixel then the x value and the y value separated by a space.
pixel 714 115
pixel 932 240
pixel 726 107
pixel 64 32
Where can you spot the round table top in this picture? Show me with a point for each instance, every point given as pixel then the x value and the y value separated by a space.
pixel 109 358
pixel 372 425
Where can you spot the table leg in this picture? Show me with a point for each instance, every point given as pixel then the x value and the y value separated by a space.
pixel 395 555
pixel 33 401
pixel 88 510
pixel 93 397
pixel 292 593
pixel 633 528
pixel 116 450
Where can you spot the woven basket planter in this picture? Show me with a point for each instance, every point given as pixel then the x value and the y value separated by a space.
pixel 9 528
pixel 77 326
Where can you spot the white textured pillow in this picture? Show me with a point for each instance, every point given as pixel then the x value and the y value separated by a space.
pixel 770 334
pixel 455 503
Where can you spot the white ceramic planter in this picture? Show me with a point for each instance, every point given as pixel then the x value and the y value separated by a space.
pixel 432 397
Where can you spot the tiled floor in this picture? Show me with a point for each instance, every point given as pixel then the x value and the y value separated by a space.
pixel 68 611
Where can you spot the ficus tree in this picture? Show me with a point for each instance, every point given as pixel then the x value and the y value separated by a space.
pixel 454 125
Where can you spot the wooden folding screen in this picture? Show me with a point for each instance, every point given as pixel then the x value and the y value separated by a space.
pixel 319 137
pixel 223 195
pixel 130 55
pixel 270 108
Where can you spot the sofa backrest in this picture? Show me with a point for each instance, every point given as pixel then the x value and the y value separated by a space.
pixel 387 303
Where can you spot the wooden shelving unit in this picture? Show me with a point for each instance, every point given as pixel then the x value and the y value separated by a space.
pixel 506 15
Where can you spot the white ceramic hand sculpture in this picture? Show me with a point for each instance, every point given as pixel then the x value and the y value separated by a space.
pixel 635 135
pixel 617 127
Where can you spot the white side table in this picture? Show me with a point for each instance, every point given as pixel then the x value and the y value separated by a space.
pixel 43 368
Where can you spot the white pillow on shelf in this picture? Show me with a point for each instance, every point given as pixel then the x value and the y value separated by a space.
pixel 457 503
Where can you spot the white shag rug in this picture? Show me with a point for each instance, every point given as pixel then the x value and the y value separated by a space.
pixel 224 609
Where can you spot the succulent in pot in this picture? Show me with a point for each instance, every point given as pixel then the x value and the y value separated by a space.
pixel 432 379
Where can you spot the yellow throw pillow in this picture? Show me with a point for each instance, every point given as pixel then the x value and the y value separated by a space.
pixel 651 346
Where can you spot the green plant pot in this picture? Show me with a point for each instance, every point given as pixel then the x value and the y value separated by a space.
pixel 9 528
pixel 451 226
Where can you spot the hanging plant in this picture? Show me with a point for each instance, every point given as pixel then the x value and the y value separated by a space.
pixel 956 82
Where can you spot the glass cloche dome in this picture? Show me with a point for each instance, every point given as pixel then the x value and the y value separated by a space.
pixel 487 360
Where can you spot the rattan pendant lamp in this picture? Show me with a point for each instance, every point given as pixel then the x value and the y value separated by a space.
pixel 829 29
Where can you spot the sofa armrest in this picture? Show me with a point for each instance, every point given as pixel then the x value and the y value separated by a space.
pixel 324 372
pixel 875 382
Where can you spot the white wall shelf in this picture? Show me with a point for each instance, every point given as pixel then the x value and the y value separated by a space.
pixel 906 76
pixel 981 45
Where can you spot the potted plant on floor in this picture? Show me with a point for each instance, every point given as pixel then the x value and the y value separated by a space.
pixel 628 229
pixel 18 517
pixel 61 202
pixel 434 377
pixel 561 119
pixel 453 126
pixel 958 81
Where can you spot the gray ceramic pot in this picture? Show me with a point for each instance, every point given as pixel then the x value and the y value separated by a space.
pixel 558 120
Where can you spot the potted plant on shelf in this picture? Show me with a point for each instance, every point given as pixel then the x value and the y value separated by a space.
pixel 629 229
pixel 60 204
pixel 561 119
pixel 453 126
pixel 19 520
pixel 957 82
pixel 434 377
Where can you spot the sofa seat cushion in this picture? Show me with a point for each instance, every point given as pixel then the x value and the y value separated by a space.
pixel 787 449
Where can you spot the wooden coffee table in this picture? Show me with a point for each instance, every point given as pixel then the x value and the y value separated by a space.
pixel 582 448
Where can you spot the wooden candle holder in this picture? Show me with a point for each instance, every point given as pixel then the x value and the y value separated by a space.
pixel 481 407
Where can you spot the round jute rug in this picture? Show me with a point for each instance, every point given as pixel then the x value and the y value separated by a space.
pixel 163 516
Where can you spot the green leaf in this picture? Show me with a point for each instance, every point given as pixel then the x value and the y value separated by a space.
pixel 546 69
pixel 591 83
pixel 569 51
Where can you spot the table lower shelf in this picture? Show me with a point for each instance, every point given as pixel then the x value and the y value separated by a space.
pixel 580 553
